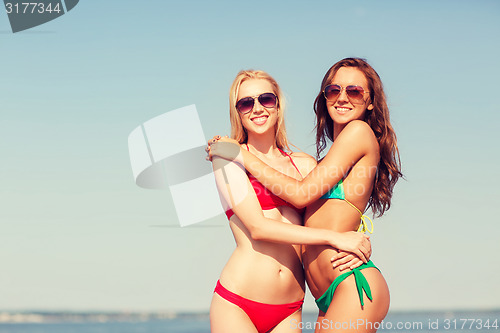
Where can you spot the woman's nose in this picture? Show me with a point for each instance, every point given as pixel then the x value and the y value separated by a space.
pixel 257 106
pixel 343 96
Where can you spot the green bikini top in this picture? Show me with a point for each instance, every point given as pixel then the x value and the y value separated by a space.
pixel 337 192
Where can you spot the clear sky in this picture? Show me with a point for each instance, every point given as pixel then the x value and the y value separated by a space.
pixel 76 233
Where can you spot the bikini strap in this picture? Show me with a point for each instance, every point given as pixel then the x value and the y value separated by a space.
pixel 363 226
pixel 291 160
pixel 288 155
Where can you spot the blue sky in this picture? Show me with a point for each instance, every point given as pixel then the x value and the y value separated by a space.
pixel 78 234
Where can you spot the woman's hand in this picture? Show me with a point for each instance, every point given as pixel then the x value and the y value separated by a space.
pixel 346 260
pixel 209 143
pixel 224 147
pixel 354 242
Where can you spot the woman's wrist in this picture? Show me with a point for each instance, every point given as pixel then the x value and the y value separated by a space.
pixel 244 156
pixel 333 238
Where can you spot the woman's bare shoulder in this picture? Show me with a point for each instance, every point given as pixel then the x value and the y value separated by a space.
pixel 357 128
pixel 360 132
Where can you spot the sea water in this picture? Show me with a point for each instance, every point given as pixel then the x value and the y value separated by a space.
pixel 424 322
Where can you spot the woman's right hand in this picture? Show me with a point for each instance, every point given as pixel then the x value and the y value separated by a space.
pixel 345 260
pixel 354 242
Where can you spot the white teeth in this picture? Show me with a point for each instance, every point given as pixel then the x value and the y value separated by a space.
pixel 343 109
pixel 259 120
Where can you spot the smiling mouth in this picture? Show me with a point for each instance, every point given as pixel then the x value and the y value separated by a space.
pixel 259 120
pixel 342 110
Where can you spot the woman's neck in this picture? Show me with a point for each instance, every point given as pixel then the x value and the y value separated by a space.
pixel 263 145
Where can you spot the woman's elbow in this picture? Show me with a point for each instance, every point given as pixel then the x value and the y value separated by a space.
pixel 300 199
pixel 300 202
pixel 257 232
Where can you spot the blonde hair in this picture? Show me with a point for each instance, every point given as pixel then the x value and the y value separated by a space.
pixel 238 132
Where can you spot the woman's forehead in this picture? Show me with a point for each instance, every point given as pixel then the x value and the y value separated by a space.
pixel 350 76
pixel 253 87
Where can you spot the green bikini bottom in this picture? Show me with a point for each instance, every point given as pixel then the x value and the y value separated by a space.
pixel 324 301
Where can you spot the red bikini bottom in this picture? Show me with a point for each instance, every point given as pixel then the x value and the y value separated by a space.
pixel 263 316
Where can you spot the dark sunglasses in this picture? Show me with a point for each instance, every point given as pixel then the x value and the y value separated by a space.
pixel 354 93
pixel 267 100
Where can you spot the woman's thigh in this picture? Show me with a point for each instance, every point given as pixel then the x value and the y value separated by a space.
pixel 290 324
pixel 225 317
pixel 346 314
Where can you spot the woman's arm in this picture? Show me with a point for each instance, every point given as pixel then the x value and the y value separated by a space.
pixel 237 193
pixel 355 141
pixel 343 260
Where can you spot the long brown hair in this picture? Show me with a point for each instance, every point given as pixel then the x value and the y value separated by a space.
pixel 238 132
pixel 389 167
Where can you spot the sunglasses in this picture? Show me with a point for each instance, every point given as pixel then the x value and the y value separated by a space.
pixel 354 93
pixel 267 100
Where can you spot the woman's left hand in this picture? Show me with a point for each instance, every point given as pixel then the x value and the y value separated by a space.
pixel 224 147
pixel 208 148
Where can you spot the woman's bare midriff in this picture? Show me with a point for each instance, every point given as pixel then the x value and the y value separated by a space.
pixel 334 215
pixel 264 271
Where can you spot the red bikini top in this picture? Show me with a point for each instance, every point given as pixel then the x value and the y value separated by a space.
pixel 266 198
